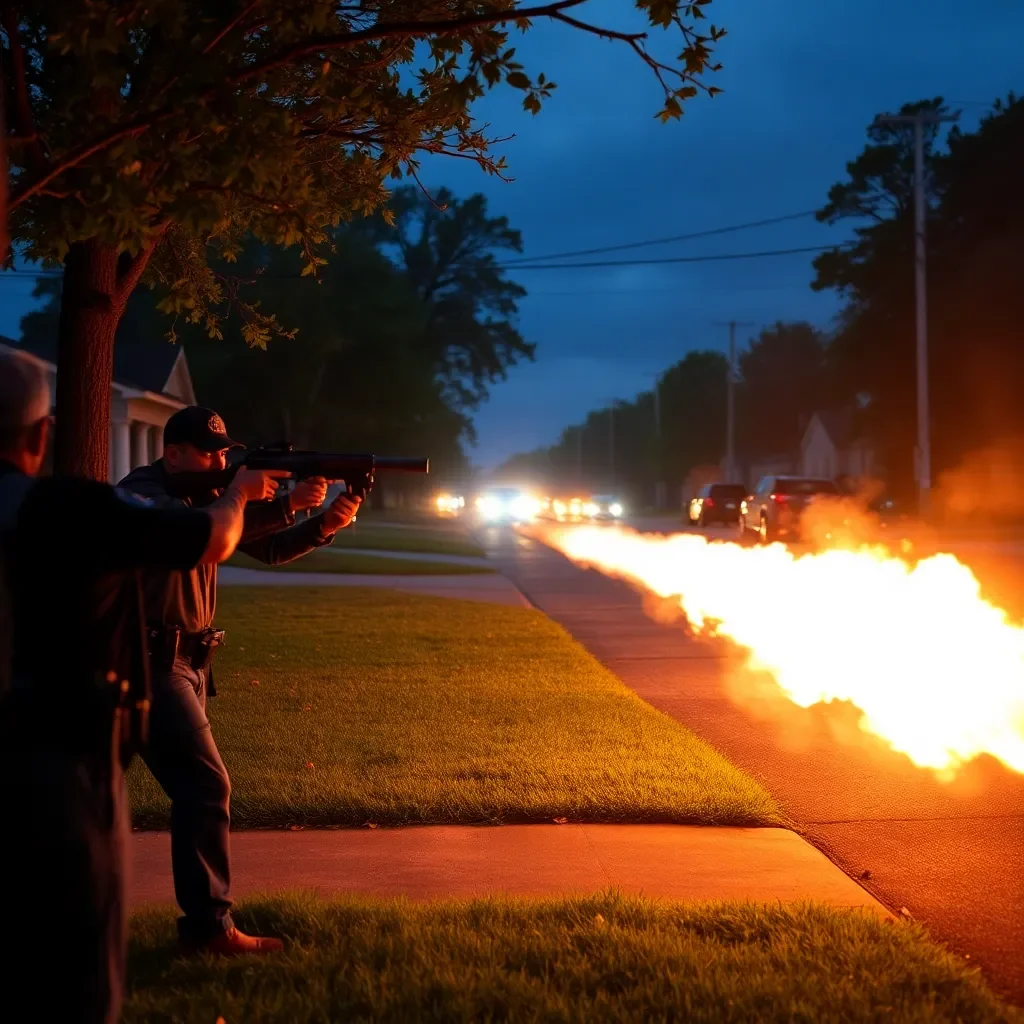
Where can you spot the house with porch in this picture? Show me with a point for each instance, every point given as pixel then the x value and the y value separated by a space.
pixel 151 383
pixel 834 447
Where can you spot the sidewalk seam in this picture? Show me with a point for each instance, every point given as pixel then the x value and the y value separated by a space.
pixel 597 856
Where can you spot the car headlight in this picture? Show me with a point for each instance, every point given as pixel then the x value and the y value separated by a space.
pixel 525 508
pixel 615 509
pixel 490 507
pixel 590 509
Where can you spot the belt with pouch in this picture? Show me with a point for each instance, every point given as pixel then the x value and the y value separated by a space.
pixel 169 642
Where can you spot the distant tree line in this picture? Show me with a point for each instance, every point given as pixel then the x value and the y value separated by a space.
pixel 866 363
pixel 783 376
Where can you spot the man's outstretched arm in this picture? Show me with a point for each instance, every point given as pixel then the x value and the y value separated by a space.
pixel 316 532
pixel 269 517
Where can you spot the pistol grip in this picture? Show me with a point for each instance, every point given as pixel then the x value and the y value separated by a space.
pixel 359 487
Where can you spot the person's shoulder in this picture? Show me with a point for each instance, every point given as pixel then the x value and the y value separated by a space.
pixel 145 480
pixel 60 491
pixel 56 488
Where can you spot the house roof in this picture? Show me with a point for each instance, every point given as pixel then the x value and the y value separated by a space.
pixel 145 365
pixel 838 424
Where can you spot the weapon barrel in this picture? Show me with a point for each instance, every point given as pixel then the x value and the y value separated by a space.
pixel 402 464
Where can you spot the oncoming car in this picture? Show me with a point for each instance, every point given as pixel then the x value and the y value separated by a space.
pixel 603 507
pixel 564 509
pixel 449 504
pixel 773 511
pixel 507 505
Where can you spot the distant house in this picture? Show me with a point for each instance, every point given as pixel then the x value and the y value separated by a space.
pixel 151 382
pixel 770 465
pixel 834 447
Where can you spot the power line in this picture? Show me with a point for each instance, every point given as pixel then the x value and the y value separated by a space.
pixel 671 259
pixel 662 241
pixel 593 264
pixel 653 291
pixel 708 233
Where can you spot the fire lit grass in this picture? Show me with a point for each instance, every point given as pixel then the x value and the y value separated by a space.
pixel 347 706
pixel 346 562
pixel 602 958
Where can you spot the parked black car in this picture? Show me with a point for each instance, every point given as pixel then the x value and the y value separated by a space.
pixel 717 505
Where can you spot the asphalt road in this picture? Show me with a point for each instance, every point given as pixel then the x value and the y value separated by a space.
pixel 949 853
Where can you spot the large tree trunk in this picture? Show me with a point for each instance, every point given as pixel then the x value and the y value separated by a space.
pixel 90 310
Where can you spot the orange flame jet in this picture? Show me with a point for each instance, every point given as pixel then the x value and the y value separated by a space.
pixel 936 670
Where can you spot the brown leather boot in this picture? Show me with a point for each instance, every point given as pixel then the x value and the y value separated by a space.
pixel 234 943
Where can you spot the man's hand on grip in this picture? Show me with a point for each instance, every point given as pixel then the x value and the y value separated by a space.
pixel 308 494
pixel 257 485
pixel 340 512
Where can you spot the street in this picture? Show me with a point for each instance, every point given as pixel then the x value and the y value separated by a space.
pixel 951 854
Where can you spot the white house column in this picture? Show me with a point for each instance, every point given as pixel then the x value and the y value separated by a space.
pixel 140 444
pixel 156 443
pixel 121 450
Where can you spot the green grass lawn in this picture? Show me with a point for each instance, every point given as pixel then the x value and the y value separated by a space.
pixel 438 540
pixel 604 958
pixel 346 706
pixel 354 562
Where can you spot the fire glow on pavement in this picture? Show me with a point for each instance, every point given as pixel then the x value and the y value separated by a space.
pixel 936 670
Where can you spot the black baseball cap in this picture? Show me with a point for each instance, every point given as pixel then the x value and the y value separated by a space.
pixel 200 427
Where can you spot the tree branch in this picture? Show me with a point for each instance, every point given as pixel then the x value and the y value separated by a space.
pixel 214 42
pixel 129 276
pixel 391 30
pixel 603 33
pixel 22 99
pixel 76 156
pixel 231 26
pixel 292 54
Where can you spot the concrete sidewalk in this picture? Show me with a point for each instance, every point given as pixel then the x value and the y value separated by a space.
pixel 685 862
pixel 492 588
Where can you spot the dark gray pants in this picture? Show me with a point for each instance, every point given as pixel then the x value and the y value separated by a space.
pixel 62 885
pixel 184 759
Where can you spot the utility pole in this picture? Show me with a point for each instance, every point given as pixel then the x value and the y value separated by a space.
pixel 923 460
pixel 730 471
pixel 579 455
pixel 659 484
pixel 612 405
pixel 611 444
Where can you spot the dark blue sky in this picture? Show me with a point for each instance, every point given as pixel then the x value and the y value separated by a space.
pixel 801 82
